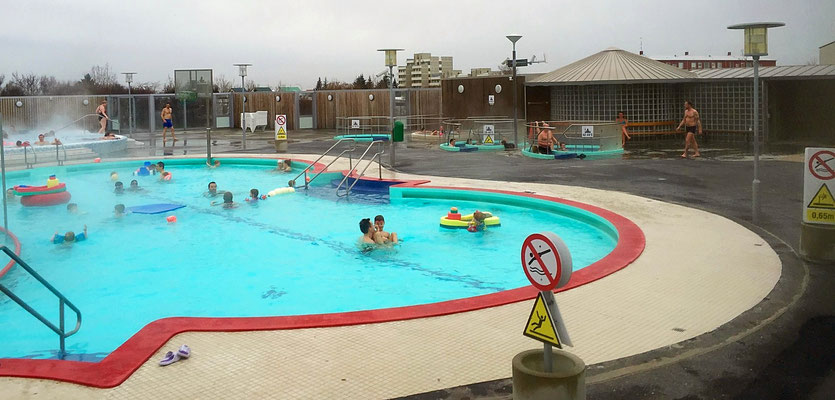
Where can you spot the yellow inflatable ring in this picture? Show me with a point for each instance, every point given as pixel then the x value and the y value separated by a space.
pixel 492 220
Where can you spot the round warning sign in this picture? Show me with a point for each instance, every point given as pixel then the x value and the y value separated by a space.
pixel 822 165
pixel 546 260
pixel 280 119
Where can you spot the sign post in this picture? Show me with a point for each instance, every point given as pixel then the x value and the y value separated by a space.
pixel 547 264
pixel 281 133
pixel 817 233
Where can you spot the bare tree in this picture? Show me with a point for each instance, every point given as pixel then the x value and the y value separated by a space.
pixel 29 83
pixel 222 84
pixel 169 86
pixel 102 75
pixel 812 61
pixel 2 79
pixel 251 85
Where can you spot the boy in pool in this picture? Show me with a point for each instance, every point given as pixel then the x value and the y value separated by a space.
pixel 119 211
pixel 380 235
pixel 72 208
pixel 227 201
pixel 215 164
pixel 10 196
pixel 69 237
pixel 160 167
pixel 119 188
pixel 165 176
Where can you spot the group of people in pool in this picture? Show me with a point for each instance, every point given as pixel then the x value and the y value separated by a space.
pixel 375 235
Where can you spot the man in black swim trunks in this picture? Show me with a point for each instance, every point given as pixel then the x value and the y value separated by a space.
pixel 694 124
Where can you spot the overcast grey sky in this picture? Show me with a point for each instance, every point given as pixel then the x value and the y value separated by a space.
pixel 297 41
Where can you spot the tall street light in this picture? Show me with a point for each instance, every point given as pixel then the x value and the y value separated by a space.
pixel 513 39
pixel 242 73
pixel 391 62
pixel 756 45
pixel 129 80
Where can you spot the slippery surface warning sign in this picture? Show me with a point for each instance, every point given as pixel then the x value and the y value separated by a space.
pixel 541 325
pixel 818 182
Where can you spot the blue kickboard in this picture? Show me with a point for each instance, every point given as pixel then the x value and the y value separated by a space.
pixel 155 208
pixel 468 149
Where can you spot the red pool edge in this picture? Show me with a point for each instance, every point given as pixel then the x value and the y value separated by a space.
pixel 119 365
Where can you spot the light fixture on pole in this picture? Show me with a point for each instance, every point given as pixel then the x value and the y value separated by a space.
pixel 391 62
pixel 513 39
pixel 242 73
pixel 756 45
pixel 129 80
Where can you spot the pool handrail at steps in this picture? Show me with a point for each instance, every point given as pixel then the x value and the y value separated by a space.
pixel 354 169
pixel 62 300
pixel 349 150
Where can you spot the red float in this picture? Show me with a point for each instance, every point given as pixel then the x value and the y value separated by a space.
pixel 50 199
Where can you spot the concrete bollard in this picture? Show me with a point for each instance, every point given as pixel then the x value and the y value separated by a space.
pixel 531 382
pixel 817 242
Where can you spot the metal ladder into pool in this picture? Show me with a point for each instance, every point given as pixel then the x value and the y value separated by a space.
pixel 304 172
pixel 62 300
pixel 354 169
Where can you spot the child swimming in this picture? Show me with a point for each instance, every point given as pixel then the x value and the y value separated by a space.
pixel 253 196
pixel 227 201
pixel 134 186
pixel 119 188
pixel 69 237
pixel 119 211
pixel 380 235
pixel 477 223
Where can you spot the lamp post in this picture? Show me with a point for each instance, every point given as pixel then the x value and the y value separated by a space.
pixel 756 45
pixel 391 62
pixel 129 80
pixel 513 39
pixel 242 73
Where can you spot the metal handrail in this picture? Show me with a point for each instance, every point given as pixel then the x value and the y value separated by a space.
pixel 57 155
pixel 362 157
pixel 26 156
pixel 304 171
pixel 62 300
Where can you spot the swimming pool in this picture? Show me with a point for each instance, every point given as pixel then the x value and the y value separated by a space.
pixel 289 255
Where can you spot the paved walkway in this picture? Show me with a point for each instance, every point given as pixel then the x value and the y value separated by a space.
pixel 691 279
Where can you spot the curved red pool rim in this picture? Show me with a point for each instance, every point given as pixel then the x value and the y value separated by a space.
pixel 16 251
pixel 127 358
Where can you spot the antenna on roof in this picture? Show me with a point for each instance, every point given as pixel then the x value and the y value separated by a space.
pixel 642 45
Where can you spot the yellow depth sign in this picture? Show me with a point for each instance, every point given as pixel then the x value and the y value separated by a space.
pixel 822 206
pixel 540 324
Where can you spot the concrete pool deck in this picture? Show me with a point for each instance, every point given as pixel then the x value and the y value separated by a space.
pixel 690 279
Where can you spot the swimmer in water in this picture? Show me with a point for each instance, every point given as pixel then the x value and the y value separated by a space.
pixel 134 186
pixel 227 201
pixel 367 239
pixel 69 237
pixel 380 235
pixel 72 208
pixel 119 188
pixel 119 211
pixel 213 192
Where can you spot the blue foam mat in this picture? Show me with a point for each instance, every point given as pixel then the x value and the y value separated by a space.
pixel 155 208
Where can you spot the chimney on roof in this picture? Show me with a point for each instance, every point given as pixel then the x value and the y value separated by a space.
pixel 729 54
pixel 686 53
pixel 641 53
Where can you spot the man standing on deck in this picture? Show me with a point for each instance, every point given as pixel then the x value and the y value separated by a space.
pixel 166 123
pixel 694 124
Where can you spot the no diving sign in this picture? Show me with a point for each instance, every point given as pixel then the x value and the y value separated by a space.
pixel 546 261
pixel 818 184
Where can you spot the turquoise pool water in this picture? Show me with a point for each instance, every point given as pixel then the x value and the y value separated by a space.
pixel 288 255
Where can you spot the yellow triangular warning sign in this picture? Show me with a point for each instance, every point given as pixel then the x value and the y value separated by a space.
pixel 488 140
pixel 822 199
pixel 540 324
pixel 281 130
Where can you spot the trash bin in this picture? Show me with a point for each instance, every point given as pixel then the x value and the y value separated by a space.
pixel 567 381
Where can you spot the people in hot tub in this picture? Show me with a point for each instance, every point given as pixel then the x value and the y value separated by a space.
pixel 69 237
